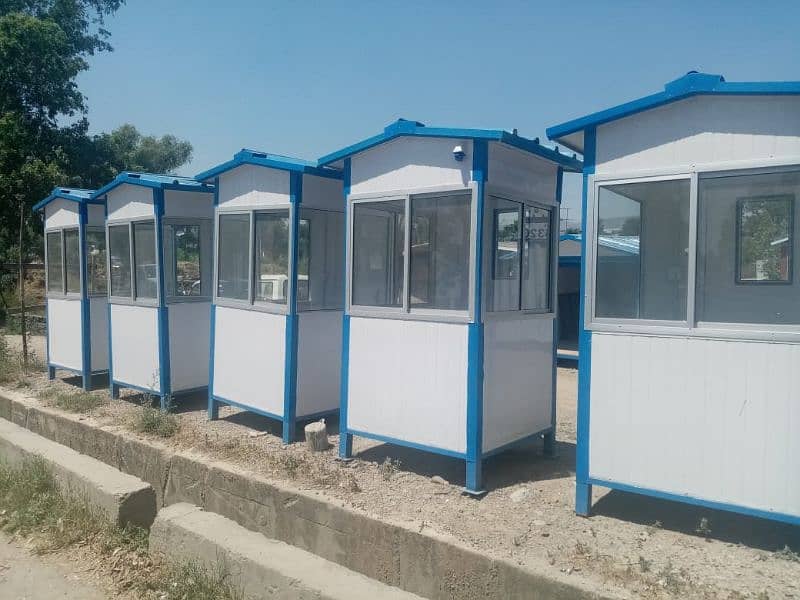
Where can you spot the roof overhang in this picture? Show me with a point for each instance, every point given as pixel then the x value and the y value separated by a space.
pixel 571 133
pixel 272 161
pixel 72 194
pixel 150 180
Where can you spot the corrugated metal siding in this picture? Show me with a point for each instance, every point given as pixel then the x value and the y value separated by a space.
pixel 711 419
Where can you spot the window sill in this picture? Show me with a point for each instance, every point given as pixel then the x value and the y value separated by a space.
pixel 400 315
pixel 277 309
pixel 710 331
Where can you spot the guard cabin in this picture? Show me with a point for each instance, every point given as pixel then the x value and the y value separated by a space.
pixel 689 347
pixel 159 230
pixel 75 267
pixel 276 324
pixel 449 325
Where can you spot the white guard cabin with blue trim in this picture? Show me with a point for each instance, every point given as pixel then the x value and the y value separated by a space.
pixel 277 314
pixel 159 230
pixel 449 326
pixel 689 379
pixel 75 266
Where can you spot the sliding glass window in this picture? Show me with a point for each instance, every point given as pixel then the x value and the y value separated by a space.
pixel 96 261
pixel 72 261
pixel 55 268
pixel 119 252
pixel 233 256
pixel 378 253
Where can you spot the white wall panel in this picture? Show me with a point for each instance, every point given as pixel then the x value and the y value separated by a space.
pixel 61 213
pixel 711 419
pixel 518 379
pixel 134 340
pixel 249 351
pixel 701 130
pixel 323 192
pixel 409 163
pixel 319 361
pixel 408 380
pixel 522 172
pixel 98 319
pixel 96 214
pixel 64 332
pixel 129 202
pixel 189 344
pixel 252 186
pixel 179 203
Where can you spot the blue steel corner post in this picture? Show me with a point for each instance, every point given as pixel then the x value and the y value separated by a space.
pixel 345 437
pixel 213 405
pixel 583 489
pixel 474 472
pixel 290 365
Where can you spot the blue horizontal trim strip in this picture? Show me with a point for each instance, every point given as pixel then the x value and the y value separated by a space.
pixel 162 182
pixel 138 388
pixel 521 441
pixel 71 370
pixel 691 84
pixel 407 444
pixel 192 390
pixel 753 512
pixel 403 127
pixel 317 415
pixel 273 161
pixel 60 193
pixel 251 409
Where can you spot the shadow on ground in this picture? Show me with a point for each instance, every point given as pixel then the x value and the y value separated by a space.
pixel 724 526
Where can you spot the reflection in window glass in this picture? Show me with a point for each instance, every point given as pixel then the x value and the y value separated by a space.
pixel 321 258
pixel 120 259
pixel 55 281
pixel 765 238
pixel 642 250
pixel 272 257
pixel 233 252
pixel 96 261
pixel 747 240
pixel 183 250
pixel 378 242
pixel 504 291
pixel 144 248
pixel 440 245
pixel 72 260
pixel 536 263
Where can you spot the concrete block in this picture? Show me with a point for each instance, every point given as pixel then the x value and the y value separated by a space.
pixel 261 566
pixel 121 498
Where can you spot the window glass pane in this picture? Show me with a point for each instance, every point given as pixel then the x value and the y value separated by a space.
pixel 505 223
pixel 536 263
pixel 642 250
pixel 272 257
pixel 378 242
pixel 182 260
pixel 320 260
pixel 120 259
pixel 440 243
pixel 747 240
pixel 96 261
pixel 144 247
pixel 234 256
pixel 55 282
pixel 72 260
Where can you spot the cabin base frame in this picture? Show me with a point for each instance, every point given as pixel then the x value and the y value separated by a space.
pixel 86 378
pixel 165 400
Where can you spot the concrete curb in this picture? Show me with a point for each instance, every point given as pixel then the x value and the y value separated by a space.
pixel 185 532
pixel 120 498
pixel 431 565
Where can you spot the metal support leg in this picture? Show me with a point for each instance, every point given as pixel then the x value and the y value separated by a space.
pixel 164 404
pixel 345 445
pixel 474 485
pixel 583 499
pixel 114 390
pixel 213 408
pixel 288 431
pixel 51 373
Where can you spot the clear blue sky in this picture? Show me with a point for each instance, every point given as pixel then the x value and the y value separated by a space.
pixel 306 78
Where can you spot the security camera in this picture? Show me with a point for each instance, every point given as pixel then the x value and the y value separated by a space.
pixel 458 153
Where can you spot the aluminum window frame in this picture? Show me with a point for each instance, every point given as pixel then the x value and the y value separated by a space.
pixel 494 191
pixel 206 226
pixel 691 328
pixel 304 306
pixel 251 303
pixel 63 294
pixel 132 298
pixel 85 263
pixel 405 311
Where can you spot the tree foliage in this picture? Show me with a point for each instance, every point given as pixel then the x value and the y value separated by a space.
pixel 44 141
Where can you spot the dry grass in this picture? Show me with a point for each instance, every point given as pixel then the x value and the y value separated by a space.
pixel 155 421
pixel 74 401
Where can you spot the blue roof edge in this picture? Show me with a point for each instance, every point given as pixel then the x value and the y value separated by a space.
pixel 273 161
pixel 405 128
pixel 153 180
pixel 691 84
pixel 65 193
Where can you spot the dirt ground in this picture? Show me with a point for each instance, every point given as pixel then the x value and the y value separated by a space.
pixel 632 546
